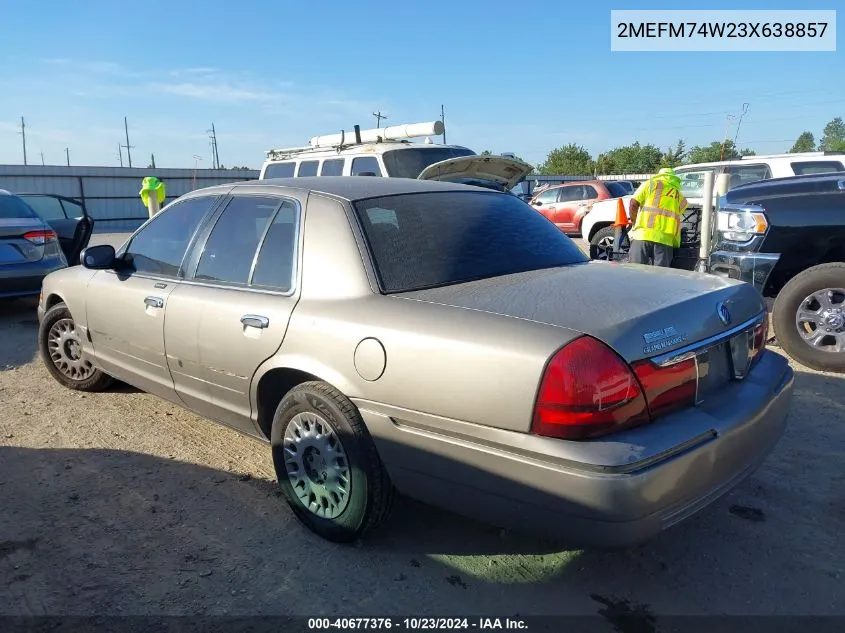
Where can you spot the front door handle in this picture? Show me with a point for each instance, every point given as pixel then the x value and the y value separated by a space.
pixel 255 320
pixel 154 302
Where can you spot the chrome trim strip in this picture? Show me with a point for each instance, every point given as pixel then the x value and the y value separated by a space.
pixel 683 353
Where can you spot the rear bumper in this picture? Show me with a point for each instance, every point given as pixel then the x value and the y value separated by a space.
pixel 612 492
pixel 24 280
pixel 752 268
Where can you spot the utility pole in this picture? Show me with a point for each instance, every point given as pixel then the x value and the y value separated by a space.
pixel 728 119
pixel 120 152
pixel 443 121
pixel 379 116
pixel 215 157
pixel 23 134
pixel 67 154
pixel 42 159
pixel 127 146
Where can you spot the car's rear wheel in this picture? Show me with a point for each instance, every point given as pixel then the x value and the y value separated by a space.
pixel 60 346
pixel 327 465
pixel 601 244
pixel 809 317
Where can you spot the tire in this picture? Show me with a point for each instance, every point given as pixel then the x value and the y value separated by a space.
pixel 60 350
pixel 317 406
pixel 796 299
pixel 603 241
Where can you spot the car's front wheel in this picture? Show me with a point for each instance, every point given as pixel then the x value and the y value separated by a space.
pixel 809 317
pixel 60 346
pixel 327 465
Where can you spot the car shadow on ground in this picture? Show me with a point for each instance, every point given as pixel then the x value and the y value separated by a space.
pixel 110 531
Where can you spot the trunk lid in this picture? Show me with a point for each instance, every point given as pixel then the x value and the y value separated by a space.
pixel 504 172
pixel 14 247
pixel 639 311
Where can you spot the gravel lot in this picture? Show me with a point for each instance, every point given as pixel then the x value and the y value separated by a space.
pixel 120 503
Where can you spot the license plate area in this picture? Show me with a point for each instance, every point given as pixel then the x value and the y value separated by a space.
pixel 723 363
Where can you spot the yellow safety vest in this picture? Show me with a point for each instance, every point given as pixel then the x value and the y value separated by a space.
pixel 659 217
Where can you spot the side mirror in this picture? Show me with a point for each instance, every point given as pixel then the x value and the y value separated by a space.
pixel 537 203
pixel 98 257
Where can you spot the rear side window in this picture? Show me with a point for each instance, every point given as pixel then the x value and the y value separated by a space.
pixel 617 189
pixel 426 240
pixel 13 207
pixel 816 167
pixel 230 249
pixel 332 167
pixel 589 193
pixel 308 168
pixel 274 267
pixel 365 166
pixel 739 175
pixel 280 170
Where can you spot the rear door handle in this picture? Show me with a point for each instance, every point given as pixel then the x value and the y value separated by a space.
pixel 255 320
pixel 154 302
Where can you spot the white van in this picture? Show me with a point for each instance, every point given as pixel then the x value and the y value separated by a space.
pixel 388 152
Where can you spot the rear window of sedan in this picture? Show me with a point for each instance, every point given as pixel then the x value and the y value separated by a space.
pixel 426 240
pixel 13 207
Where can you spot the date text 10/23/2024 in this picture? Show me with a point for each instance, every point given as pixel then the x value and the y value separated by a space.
pixel 417 624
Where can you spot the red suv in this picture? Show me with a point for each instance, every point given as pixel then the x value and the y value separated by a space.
pixel 567 204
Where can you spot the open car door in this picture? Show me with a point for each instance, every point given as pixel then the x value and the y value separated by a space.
pixel 68 218
pixel 494 172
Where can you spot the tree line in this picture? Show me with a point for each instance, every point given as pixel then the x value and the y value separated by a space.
pixel 637 158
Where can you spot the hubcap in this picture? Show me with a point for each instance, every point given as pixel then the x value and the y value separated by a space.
pixel 65 350
pixel 820 320
pixel 316 465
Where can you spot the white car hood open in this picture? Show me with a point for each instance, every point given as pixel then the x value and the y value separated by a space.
pixel 507 172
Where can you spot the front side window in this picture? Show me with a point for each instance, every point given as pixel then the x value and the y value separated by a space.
pixel 365 166
pixel 280 170
pixel 332 167
pixel 159 247
pixel 425 240
pixel 549 196
pixel 410 162
pixel 230 248
pixel 308 168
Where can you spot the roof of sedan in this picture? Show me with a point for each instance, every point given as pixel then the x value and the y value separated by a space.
pixel 360 187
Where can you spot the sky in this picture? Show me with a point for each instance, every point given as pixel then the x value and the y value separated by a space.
pixel 520 77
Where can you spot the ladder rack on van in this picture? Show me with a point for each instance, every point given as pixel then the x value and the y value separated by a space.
pixel 394 133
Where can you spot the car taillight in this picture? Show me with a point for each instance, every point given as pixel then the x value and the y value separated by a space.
pixel 587 390
pixel 668 388
pixel 40 237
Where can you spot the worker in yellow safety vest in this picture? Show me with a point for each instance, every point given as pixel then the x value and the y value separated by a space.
pixel 655 212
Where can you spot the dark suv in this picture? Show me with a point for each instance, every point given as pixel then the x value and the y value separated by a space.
pixel 786 236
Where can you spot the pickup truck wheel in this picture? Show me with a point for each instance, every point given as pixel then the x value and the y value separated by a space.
pixel 809 317
pixel 327 465
pixel 60 347
pixel 601 244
